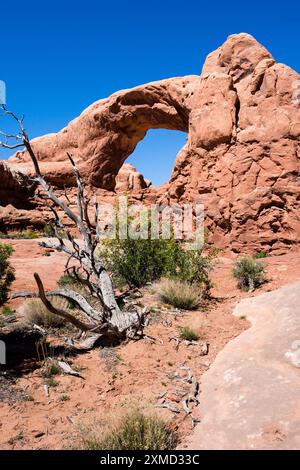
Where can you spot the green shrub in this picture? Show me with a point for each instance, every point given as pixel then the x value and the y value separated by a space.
pixel 192 267
pixel 28 234
pixel 6 310
pixel 260 255
pixel 249 273
pixel 51 382
pixel 7 275
pixel 64 398
pixel 51 368
pixel 49 231
pixel 54 369
pixel 135 431
pixel 36 313
pixel 188 334
pixel 138 262
pixel 180 294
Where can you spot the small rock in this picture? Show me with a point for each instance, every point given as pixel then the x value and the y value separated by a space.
pixel 204 348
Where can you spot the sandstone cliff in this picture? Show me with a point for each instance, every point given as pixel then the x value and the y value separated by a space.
pixel 241 158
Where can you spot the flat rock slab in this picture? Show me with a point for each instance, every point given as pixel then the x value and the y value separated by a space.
pixel 250 397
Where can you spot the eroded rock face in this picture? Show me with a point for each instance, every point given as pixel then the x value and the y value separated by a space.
pixel 129 179
pixel 107 132
pixel 244 164
pixel 241 158
pixel 15 187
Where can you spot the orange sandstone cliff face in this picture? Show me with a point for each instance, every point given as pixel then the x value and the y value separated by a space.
pixel 241 158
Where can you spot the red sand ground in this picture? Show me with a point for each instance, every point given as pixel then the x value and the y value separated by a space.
pixel 143 370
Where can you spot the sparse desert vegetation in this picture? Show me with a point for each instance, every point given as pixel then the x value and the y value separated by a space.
pixel 138 262
pixel 188 334
pixel 249 273
pixel 133 431
pixel 7 274
pixel 21 235
pixel 36 313
pixel 180 294
pixel 113 373
pixel 6 310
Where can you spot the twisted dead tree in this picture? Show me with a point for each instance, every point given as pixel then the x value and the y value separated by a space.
pixel 108 320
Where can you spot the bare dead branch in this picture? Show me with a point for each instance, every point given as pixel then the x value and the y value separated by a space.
pixel 68 294
pixel 169 406
pixel 62 313
pixel 177 341
pixel 67 369
pixel 11 147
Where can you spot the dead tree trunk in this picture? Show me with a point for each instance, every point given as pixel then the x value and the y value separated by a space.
pixel 110 320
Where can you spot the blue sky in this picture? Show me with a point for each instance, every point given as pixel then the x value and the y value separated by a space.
pixel 58 57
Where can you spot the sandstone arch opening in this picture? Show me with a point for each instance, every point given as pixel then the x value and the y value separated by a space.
pixel 155 154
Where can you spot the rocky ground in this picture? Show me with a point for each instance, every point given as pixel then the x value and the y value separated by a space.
pixel 250 396
pixel 112 380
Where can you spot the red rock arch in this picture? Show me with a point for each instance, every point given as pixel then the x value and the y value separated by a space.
pixel 107 132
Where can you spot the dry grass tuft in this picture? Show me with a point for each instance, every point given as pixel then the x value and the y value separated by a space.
pixel 188 334
pixel 180 294
pixel 133 431
pixel 36 313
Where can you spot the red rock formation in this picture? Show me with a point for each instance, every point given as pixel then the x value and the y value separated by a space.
pixel 129 179
pixel 241 158
pixel 107 132
pixel 242 155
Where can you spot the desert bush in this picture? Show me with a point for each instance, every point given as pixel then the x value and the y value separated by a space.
pixel 135 431
pixel 180 294
pixel 36 313
pixel 49 231
pixel 249 273
pixel 64 397
pixel 138 262
pixel 7 275
pixel 192 267
pixel 260 255
pixel 51 382
pixel 24 234
pixel 6 310
pixel 51 368
pixel 28 234
pixel 54 369
pixel 188 334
